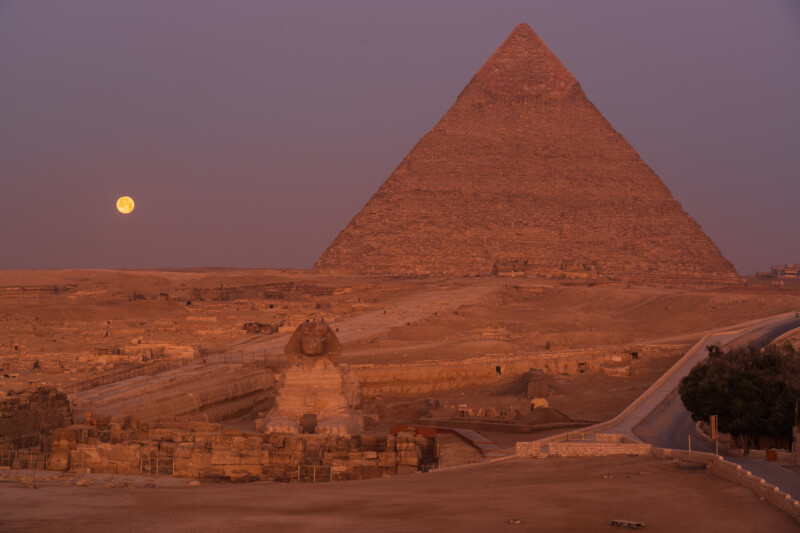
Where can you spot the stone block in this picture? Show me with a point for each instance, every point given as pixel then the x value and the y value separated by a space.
pixel 254 443
pixel 167 448
pixel 387 459
pixel 59 459
pixel 128 468
pixel 184 467
pixel 201 460
pixel 409 457
pixel 255 456
pixel 282 458
pixel 183 449
pixel 118 452
pixel 368 441
pixel 225 457
pixel 240 470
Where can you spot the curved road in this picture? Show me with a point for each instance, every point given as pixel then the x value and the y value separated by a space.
pixel 662 419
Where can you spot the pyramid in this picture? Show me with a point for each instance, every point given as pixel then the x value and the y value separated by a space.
pixel 524 176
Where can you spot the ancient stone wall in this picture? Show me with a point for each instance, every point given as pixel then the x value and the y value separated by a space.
pixel 205 450
pixel 28 417
pixel 596 449
pixel 441 376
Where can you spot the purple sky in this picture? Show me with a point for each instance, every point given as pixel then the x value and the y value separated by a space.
pixel 250 132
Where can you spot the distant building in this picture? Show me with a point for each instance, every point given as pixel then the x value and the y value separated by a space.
pixel 788 271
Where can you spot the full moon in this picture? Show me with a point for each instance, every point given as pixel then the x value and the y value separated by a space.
pixel 125 204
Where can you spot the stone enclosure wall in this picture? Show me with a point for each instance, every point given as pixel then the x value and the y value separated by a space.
pixel 441 376
pixel 205 450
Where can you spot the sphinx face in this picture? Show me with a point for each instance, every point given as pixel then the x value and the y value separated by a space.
pixel 312 338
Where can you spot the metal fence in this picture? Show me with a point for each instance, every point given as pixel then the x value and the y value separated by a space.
pixel 314 474
pixel 27 459
pixel 157 466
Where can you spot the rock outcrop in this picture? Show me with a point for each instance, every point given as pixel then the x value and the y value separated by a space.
pixel 523 175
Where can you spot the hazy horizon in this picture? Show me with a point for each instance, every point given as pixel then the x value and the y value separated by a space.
pixel 250 133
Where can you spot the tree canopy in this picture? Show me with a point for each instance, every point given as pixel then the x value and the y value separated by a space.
pixel 752 391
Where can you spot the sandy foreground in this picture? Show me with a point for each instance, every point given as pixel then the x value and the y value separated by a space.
pixel 575 494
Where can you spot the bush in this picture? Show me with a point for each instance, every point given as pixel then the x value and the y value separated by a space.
pixel 752 391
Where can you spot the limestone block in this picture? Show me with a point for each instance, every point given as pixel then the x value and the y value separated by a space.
pixel 183 449
pixel 278 424
pixel 201 460
pixel 225 457
pixel 370 455
pixel 240 470
pixel 216 472
pixel 255 456
pixel 387 459
pixel 368 441
pixel 119 453
pixel 184 467
pixel 238 443
pixel 282 458
pixel 253 443
pixel 409 457
pixel 277 441
pixel 128 468
pixel 167 448
pixel 59 459
pixel 406 469
pixel 295 443
pixel 274 472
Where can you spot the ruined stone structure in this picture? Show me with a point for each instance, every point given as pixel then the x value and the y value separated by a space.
pixel 28 417
pixel 523 175
pixel 315 395
pixel 184 448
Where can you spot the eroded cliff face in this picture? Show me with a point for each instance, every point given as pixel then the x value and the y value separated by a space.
pixel 524 174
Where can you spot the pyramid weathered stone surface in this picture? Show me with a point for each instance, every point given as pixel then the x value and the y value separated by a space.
pixel 524 175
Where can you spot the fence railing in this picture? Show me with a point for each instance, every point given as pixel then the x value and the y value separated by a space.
pixel 427 467
pixel 157 466
pixel 27 459
pixel 314 474
pixel 7 458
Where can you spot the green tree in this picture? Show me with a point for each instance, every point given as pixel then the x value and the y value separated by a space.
pixel 753 391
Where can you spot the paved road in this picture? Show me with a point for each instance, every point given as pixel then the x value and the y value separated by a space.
pixel 673 415
pixel 664 421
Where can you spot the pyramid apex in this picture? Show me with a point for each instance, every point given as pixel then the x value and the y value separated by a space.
pixel 523 27
pixel 522 67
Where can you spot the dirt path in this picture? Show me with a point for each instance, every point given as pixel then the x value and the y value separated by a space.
pixel 399 313
pixel 582 494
